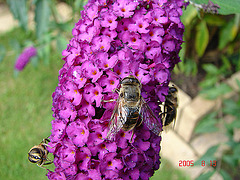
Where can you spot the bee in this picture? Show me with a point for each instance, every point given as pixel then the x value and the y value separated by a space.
pixel 170 107
pixel 131 109
pixel 38 154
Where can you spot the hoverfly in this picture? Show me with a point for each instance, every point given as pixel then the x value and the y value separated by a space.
pixel 38 154
pixel 170 107
pixel 131 109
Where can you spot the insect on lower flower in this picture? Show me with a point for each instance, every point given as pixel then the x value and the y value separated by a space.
pixel 38 154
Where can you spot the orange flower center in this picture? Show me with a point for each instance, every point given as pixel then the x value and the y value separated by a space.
pixel 94 72
pixel 112 82
pixel 96 93
pixel 83 132
pixel 134 39
pixel 110 163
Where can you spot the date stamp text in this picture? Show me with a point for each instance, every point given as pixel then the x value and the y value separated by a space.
pixel 191 163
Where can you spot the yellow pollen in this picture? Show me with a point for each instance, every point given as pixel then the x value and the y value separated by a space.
pixel 103 146
pixel 96 93
pixel 81 79
pixel 110 163
pixel 94 72
pixel 134 39
pixel 110 21
pixel 72 152
pixel 75 91
pixel 140 25
pixel 112 82
pixel 118 72
pixel 83 132
pixel 99 136
pixel 123 10
pixel 106 66
pixel 102 47
pixel 151 33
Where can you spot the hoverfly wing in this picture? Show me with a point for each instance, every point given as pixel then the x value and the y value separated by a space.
pixel 149 118
pixel 118 119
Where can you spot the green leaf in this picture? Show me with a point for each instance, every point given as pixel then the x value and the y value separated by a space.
pixel 34 61
pixel 78 5
pixel 226 65
pixel 19 10
pixel 188 15
pixel 44 53
pixel 207 124
pixel 42 16
pixel 231 107
pixel 226 7
pixel 238 83
pixel 236 124
pixel 225 175
pixel 214 20
pixel 229 159
pixel 202 38
pixel 216 91
pixel 227 33
pixel 236 151
pixel 209 82
pixel 2 52
pixel 208 156
pixel 205 175
pixel 61 43
pixel 211 69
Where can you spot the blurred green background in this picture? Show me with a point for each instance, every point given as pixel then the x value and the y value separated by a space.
pixel 25 110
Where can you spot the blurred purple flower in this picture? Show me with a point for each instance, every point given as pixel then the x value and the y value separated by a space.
pixel 25 57
pixel 114 39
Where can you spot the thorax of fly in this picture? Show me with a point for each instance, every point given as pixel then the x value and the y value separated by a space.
pixel 130 94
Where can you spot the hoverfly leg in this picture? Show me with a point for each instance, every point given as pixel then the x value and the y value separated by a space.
pixel 115 90
pixel 41 166
pixel 132 136
pixel 45 142
pixel 50 162
pixel 110 100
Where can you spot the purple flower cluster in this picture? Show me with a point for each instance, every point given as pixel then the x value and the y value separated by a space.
pixel 114 39
pixel 25 57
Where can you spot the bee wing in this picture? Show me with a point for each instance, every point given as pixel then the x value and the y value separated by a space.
pixel 118 119
pixel 149 118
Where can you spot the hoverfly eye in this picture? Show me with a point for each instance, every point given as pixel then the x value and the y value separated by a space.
pixel 172 90
pixel 36 157
pixel 121 94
